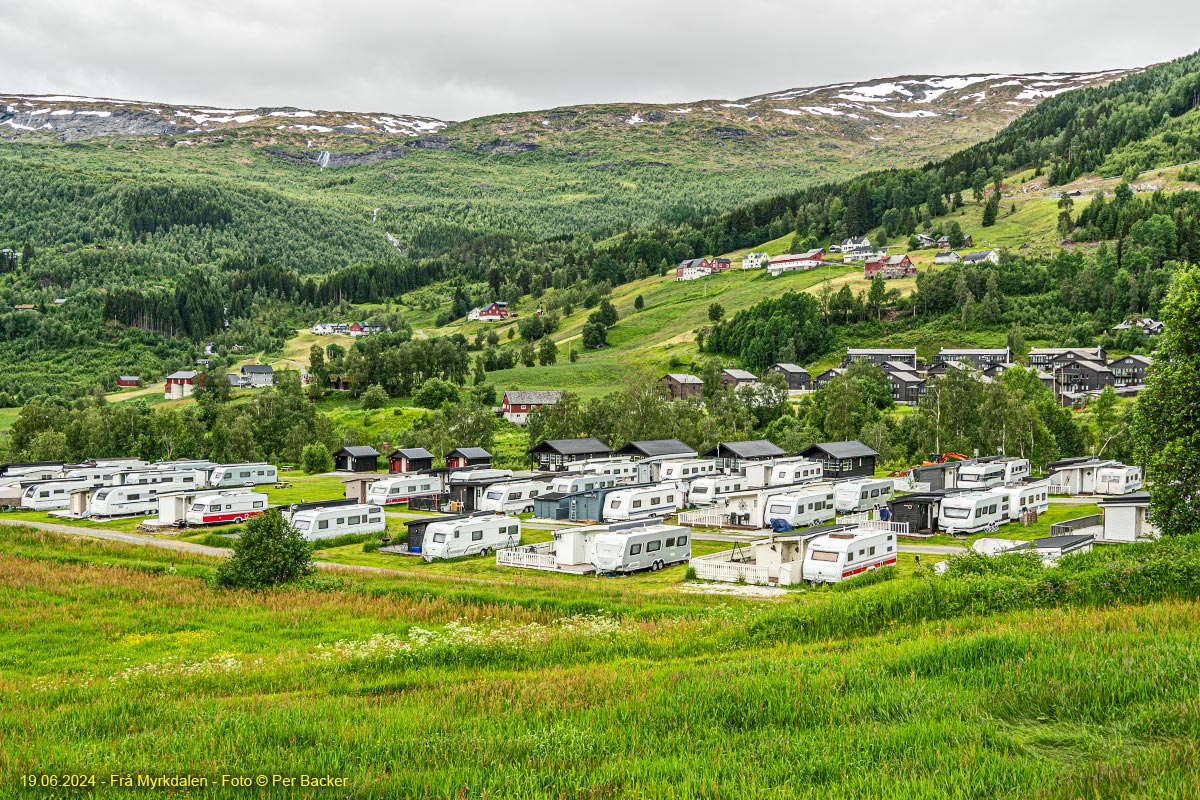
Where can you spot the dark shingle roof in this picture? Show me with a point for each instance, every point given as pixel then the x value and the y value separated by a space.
pixel 411 453
pixel 571 447
pixel 359 451
pixel 656 447
pixel 785 367
pixel 471 452
pixel 850 449
pixel 683 377
pixel 760 448
pixel 266 369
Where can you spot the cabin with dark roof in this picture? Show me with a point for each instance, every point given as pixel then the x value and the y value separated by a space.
pixel 356 459
pixel 851 459
pixel 657 448
pixel 732 454
pixel 462 457
pixel 1130 370
pixel 555 454
pixel 409 459
pixel 681 385
pixel 735 378
pixel 517 405
pixel 797 377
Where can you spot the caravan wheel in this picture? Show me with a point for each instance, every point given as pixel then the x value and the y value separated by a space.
pixel 237 520
pixel 483 552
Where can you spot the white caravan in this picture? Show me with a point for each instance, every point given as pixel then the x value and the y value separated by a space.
pixel 1025 496
pixel 328 522
pixel 1118 479
pixel 511 498
pixel 789 472
pixel 862 495
pixel 620 469
pixel 641 502
pixel 218 508
pixel 834 557
pixel 802 508
pixel 707 491
pixel 683 472
pixel 651 547
pixel 226 476
pixel 581 483
pixel 95 477
pixel 392 491
pixel 470 536
pixel 32 472
pixel 187 478
pixel 480 474
pixel 986 474
pixel 51 495
pixel 131 500
pixel 971 512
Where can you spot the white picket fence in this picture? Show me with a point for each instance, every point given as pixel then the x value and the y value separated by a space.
pixel 864 520
pixel 718 567
pixel 537 556
pixel 715 516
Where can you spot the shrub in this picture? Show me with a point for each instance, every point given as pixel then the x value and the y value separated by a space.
pixel 374 397
pixel 315 458
pixel 270 552
pixel 435 392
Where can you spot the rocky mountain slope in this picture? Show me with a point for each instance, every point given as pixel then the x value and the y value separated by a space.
pixel 874 113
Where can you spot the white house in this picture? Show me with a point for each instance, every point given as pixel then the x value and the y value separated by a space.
pixel 693 269
pixel 755 260
pixel 789 262
pixel 981 256
pixel 947 257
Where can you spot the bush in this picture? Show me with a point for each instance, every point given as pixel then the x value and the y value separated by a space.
pixel 374 397
pixel 315 458
pixel 435 392
pixel 270 552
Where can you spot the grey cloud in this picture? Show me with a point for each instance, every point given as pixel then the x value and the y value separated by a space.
pixel 465 58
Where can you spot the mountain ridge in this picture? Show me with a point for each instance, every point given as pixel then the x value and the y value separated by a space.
pixel 862 107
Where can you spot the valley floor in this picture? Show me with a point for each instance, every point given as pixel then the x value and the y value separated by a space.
pixel 122 660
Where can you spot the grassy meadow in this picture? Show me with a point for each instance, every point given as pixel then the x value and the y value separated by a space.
pixel 1006 683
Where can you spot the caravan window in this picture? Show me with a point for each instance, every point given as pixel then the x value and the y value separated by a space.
pixel 670 541
pixel 777 508
pixel 635 549
pixel 653 546
pixel 495 495
pixel 681 541
pixel 874 493
pixel 354 520
pixel 614 503
pixel 514 495
pixel 323 524
pixel 439 537
pixel 303 525
pixel 956 513
pixel 476 536
pixel 198 507
pixel 259 503
pixel 864 494
pixel 512 529
pixel 670 498
pixel 341 521
pixel 824 555
pixel 374 519
pixel 637 503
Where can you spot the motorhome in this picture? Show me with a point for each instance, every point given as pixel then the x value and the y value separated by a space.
pixel 801 508
pixel 1118 479
pixel 971 512
pixel 327 522
pixel 640 502
pixel 568 484
pixel 706 491
pixel 228 475
pixel 217 508
pixel 998 472
pixel 130 500
pixel 1029 495
pixel 620 469
pixel 187 478
pixel 651 547
pixel 789 472
pixel 684 472
pixel 862 495
pixel 392 491
pixel 511 498
pixel 51 495
pixel 468 536
pixel 834 557
pixel 97 476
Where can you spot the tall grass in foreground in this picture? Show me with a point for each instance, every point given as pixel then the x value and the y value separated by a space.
pixel 1000 680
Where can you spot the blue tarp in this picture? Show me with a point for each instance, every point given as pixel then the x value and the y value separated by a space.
pixel 780 525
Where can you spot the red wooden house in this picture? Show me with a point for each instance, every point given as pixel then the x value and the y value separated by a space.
pixel 888 268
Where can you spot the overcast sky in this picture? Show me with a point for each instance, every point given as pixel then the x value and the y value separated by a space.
pixel 456 59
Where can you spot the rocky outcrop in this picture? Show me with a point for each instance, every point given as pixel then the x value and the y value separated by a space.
pixel 505 147
pixel 324 158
